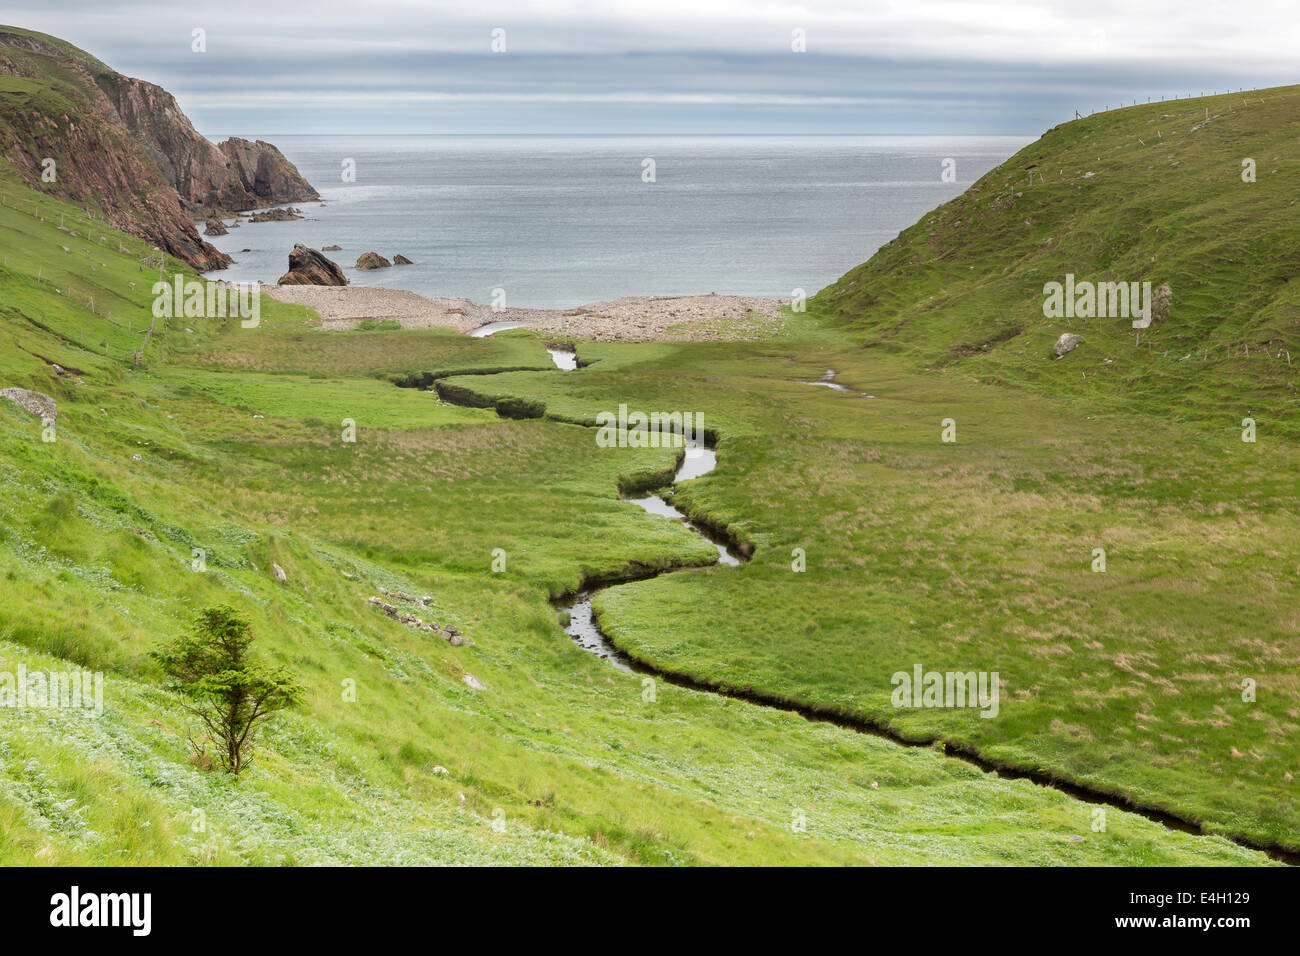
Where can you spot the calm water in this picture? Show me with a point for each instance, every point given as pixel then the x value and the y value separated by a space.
pixel 559 221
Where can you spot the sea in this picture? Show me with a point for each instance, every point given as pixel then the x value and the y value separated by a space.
pixel 559 221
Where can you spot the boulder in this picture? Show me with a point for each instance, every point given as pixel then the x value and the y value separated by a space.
pixel 372 260
pixel 39 404
pixel 309 267
pixel 401 260
pixel 279 573
pixel 331 248
pixel 473 682
pixel 215 227
pixel 1066 343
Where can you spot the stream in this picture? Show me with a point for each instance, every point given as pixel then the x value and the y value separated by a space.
pixel 700 460
pixel 565 359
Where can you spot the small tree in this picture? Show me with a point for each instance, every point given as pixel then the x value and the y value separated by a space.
pixel 228 690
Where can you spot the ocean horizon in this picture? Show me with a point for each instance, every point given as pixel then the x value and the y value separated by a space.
pixel 559 221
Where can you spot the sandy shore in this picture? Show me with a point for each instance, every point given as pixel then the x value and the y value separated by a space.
pixel 630 319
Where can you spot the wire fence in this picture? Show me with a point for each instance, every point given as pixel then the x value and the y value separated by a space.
pixel 148 258
pixel 1121 105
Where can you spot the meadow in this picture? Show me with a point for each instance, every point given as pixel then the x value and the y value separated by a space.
pixel 973 555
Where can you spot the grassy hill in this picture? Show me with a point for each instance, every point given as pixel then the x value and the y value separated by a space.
pixel 227 440
pixel 1148 193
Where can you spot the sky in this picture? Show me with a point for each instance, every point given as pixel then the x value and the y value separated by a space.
pixel 674 66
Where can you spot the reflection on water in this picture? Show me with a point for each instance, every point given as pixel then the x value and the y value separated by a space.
pixel 699 460
pixel 586 635
pixel 657 506
pixel 564 359
pixel 483 331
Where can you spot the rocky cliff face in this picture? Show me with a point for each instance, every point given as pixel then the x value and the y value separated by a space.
pixel 235 176
pixel 125 145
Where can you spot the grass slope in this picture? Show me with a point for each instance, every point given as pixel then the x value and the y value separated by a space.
pixel 238 433
pixel 1148 193
pixel 978 555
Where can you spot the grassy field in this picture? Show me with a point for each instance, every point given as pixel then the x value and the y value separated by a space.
pixel 978 555
pixel 971 555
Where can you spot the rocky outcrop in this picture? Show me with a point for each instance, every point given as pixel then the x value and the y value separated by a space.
pixel 38 403
pixel 400 260
pixel 331 248
pixel 450 633
pixel 215 227
pixel 263 174
pixel 309 267
pixel 372 260
pixel 277 215
pixel 124 145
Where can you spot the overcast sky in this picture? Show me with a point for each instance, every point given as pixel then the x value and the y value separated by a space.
pixel 689 66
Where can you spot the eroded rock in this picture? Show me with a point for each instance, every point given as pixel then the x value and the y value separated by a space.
pixel 309 267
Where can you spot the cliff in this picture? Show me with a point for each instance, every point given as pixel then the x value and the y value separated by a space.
pixel 124 145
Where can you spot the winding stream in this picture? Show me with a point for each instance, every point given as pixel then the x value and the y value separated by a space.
pixel 701 460
pixel 826 381
pixel 582 625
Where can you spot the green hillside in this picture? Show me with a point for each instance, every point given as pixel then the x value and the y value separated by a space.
pixel 1148 193
pixel 227 440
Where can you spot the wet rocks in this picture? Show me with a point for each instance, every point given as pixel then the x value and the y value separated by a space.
pixel 215 227
pixel 309 267
pixel 1068 342
pixel 372 260
pixel 401 260
pixel 331 248
pixel 287 214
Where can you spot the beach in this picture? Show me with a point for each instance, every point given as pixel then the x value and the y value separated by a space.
pixel 628 319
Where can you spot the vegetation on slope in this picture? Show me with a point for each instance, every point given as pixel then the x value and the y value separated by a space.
pixel 1147 193
pixel 558 759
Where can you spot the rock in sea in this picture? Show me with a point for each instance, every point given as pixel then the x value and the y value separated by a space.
pixel 309 267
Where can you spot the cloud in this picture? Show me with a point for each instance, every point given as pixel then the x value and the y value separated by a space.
pixel 707 65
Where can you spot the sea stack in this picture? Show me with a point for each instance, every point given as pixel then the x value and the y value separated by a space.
pixel 309 267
